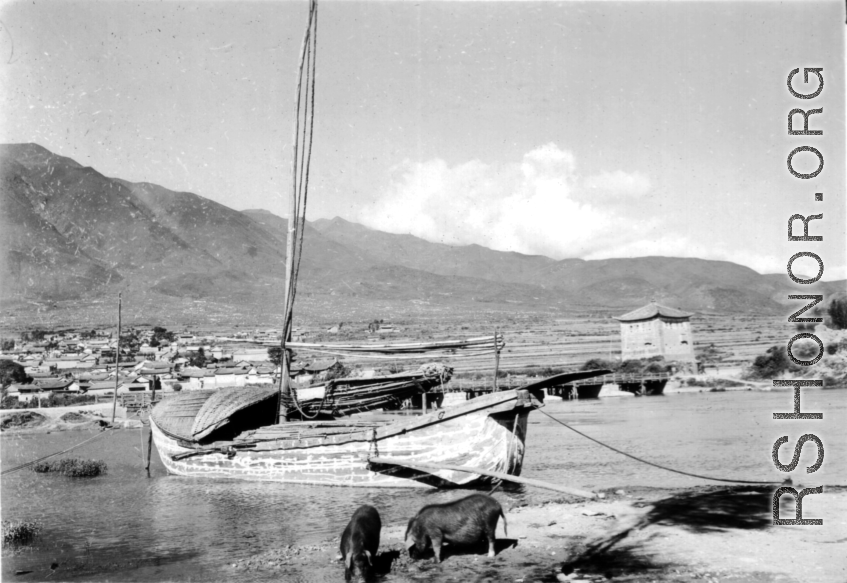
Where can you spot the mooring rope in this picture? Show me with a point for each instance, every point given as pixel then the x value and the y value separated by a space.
pixel 41 459
pixel 655 465
pixel 328 390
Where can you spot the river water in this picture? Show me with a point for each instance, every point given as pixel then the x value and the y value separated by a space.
pixel 161 527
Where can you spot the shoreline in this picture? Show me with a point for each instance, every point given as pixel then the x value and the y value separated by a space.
pixel 100 414
pixel 710 533
pixel 50 419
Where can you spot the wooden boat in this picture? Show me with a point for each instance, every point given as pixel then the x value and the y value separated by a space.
pixel 212 434
pixel 251 433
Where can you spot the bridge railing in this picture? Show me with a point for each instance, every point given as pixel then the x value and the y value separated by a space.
pixel 137 400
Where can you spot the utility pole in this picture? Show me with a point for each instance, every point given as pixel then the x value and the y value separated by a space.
pixel 117 360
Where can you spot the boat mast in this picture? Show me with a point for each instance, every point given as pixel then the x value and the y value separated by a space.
pixel 300 162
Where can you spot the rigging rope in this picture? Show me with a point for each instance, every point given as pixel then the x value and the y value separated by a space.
pixel 302 156
pixel 655 465
pixel 41 459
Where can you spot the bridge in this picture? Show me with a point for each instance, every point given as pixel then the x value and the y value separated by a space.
pixel 637 384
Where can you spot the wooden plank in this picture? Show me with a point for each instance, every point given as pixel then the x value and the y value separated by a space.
pixel 498 475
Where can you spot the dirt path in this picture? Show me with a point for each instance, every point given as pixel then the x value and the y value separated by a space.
pixel 704 534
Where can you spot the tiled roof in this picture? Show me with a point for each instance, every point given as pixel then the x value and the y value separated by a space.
pixel 653 310
pixel 156 364
pixel 320 365
pixel 102 385
pixel 93 377
pixel 53 385
pixel 235 371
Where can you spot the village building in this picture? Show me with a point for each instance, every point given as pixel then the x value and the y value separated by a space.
pixel 87 379
pixel 193 379
pixel 102 388
pixel 314 372
pixel 261 375
pixel 230 377
pixel 153 367
pixel 57 384
pixel 26 393
pixel 656 330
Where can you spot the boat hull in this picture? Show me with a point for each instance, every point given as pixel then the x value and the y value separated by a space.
pixel 484 440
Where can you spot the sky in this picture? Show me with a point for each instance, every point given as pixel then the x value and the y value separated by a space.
pixel 575 129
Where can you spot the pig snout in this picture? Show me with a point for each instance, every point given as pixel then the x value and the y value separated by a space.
pixel 360 542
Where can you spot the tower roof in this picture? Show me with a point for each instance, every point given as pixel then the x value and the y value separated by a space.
pixel 653 310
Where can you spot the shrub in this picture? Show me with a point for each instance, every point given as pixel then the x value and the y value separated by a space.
pixel 805 350
pixel 9 402
pixel 20 532
pixel 772 363
pixel 72 467
pixel 838 313
pixel 599 363
pixel 25 419
pixel 338 371
pixel 657 366
pixel 56 400
pixel 630 366
pixel 832 349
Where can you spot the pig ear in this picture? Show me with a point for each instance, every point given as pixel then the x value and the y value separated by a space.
pixel 348 559
pixel 409 543
pixel 368 555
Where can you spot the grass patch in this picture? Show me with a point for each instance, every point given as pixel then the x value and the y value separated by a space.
pixel 711 383
pixel 20 532
pixel 72 467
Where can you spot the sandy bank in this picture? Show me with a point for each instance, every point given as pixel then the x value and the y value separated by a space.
pixel 74 418
pixel 702 534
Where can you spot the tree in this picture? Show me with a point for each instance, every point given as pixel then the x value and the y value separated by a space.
pixel 7 344
pixel 599 363
pixel 198 358
pixel 12 372
pixel 336 371
pixel 838 313
pixel 772 363
pixel 275 355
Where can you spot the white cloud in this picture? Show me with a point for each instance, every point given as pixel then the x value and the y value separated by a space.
pixel 618 184
pixel 532 206
pixel 541 205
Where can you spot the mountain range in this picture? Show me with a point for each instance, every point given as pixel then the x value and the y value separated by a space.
pixel 69 232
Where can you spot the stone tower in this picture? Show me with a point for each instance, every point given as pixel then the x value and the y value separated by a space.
pixel 655 330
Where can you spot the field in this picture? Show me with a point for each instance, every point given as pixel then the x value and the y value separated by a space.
pixel 536 336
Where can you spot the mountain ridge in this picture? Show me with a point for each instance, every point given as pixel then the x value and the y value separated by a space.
pixel 70 232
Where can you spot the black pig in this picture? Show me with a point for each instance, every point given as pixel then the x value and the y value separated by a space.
pixel 462 522
pixel 360 541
